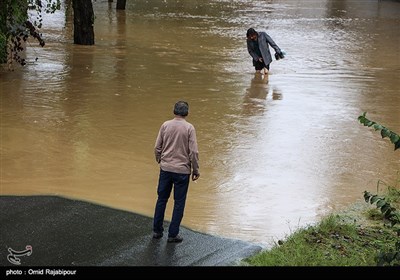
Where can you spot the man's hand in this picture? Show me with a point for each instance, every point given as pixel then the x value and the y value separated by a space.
pixel 195 176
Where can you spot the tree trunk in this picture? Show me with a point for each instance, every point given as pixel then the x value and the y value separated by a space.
pixel 3 31
pixel 121 4
pixel 83 22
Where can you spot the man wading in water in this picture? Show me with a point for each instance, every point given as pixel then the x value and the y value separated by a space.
pixel 258 46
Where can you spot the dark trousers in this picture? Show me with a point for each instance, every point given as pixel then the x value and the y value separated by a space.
pixel 180 183
pixel 260 65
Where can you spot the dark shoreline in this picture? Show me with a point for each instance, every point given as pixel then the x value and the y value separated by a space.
pixel 67 232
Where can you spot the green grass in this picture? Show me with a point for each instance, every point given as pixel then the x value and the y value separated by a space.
pixel 338 240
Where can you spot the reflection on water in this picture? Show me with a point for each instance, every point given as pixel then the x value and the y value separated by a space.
pixel 276 151
pixel 257 94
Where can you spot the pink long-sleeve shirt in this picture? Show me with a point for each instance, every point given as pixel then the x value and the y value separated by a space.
pixel 176 147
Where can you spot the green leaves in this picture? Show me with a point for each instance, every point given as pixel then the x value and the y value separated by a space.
pixel 18 22
pixel 385 132
pixel 391 257
pixel 397 145
pixel 394 138
pixel 390 213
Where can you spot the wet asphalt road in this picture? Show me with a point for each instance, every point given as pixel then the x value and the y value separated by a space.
pixel 66 232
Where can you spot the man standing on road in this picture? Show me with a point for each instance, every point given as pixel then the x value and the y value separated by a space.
pixel 177 153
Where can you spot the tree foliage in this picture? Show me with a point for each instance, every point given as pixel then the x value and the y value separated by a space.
pixel 392 256
pixel 385 132
pixel 19 20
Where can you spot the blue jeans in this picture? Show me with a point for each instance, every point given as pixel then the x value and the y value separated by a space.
pixel 166 181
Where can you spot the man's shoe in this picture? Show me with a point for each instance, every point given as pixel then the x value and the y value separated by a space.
pixel 176 239
pixel 157 235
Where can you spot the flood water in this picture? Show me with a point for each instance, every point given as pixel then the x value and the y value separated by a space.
pixel 276 152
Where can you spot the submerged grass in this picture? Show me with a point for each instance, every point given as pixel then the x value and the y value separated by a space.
pixel 353 237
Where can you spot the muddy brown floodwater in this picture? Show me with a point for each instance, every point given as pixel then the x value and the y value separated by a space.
pixel 275 153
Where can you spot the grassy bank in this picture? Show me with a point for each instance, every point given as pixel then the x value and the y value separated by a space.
pixel 358 236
